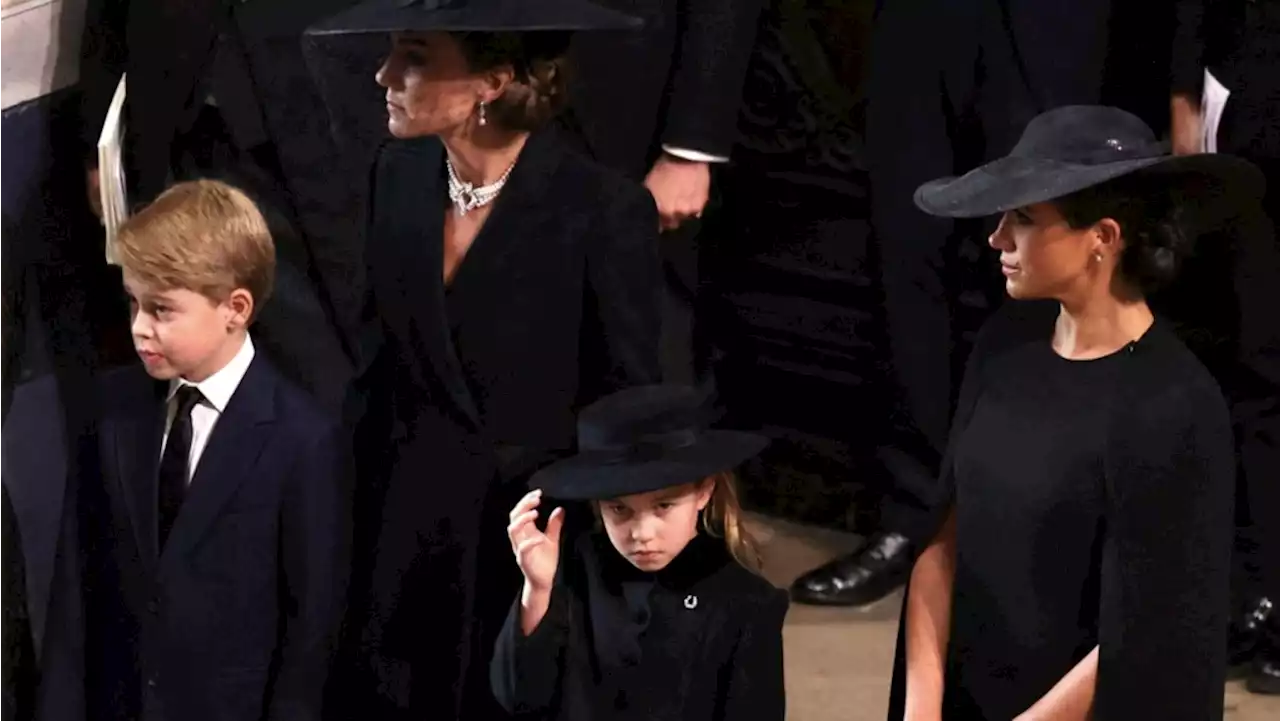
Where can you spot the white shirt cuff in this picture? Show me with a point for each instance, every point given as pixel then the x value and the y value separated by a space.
pixel 694 155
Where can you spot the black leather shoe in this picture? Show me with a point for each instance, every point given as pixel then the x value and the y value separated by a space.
pixel 1247 632
pixel 881 566
pixel 1265 676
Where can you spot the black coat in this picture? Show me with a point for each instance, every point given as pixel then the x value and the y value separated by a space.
pixel 701 640
pixel 165 48
pixel 471 388
pixel 1135 504
pixel 678 81
pixel 236 618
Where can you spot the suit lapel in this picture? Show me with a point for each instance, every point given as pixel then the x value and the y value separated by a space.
pixel 137 438
pixel 229 459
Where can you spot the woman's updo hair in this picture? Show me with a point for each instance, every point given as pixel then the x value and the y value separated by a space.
pixel 540 89
pixel 1150 216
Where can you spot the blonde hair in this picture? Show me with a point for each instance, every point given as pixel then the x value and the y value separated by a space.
pixel 722 518
pixel 204 236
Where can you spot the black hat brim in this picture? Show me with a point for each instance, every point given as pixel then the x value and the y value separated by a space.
pixel 561 15
pixel 597 475
pixel 1016 182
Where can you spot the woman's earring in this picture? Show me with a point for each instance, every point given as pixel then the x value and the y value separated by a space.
pixel 1097 257
pixel 483 119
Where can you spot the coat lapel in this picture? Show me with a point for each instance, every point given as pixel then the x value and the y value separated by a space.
pixel 229 458
pixel 137 438
pixel 416 247
pixel 518 207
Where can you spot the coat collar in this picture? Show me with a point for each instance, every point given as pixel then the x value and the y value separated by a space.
pixel 415 243
pixel 620 596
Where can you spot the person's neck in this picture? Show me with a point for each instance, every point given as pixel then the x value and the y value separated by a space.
pixel 1097 327
pixel 226 353
pixel 481 157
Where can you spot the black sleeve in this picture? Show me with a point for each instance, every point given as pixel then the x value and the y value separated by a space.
pixel 709 69
pixel 624 296
pixel 755 688
pixel 1164 604
pixel 1187 72
pixel 103 54
pixel 315 553
pixel 1013 324
pixel 525 671
pixel 368 404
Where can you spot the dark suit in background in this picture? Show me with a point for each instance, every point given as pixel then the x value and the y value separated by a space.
pixel 676 84
pixel 234 617
pixel 1239 42
pixel 268 134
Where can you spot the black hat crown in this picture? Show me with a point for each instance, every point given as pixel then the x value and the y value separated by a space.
pixel 646 438
pixel 644 420
pixel 1087 135
pixel 384 16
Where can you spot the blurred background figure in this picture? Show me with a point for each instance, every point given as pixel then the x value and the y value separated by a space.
pixel 1238 42
pixel 21 672
pixel 219 89
pixel 660 105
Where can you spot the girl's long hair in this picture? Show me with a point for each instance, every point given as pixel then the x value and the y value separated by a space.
pixel 722 518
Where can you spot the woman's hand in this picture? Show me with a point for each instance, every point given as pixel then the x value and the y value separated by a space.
pixel 537 552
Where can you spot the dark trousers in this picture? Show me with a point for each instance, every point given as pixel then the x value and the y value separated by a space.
pixel 293 327
pixel 1224 305
pixel 1254 391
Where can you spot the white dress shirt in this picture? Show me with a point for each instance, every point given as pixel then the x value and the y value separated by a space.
pixel 217 390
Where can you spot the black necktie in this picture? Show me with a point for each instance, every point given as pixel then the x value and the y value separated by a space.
pixel 174 463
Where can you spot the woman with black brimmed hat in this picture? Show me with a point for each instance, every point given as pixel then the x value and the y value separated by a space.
pixel 510 281
pixel 1080 569
pixel 656 614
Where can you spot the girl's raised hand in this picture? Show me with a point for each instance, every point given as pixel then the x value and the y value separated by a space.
pixel 537 552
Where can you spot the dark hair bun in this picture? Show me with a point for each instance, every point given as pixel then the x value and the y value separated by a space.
pixel 1149 212
pixel 537 95
pixel 540 88
pixel 1154 254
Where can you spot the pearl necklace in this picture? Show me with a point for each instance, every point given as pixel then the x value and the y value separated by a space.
pixel 466 197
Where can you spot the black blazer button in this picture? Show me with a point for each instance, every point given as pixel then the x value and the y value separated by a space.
pixel 153 606
pixel 151 682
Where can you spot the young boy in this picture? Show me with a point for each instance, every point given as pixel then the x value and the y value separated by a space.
pixel 218 570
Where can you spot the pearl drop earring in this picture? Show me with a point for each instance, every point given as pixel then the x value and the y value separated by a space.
pixel 483 119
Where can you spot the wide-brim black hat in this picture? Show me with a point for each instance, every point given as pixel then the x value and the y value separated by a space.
pixel 645 439
pixel 1066 150
pixel 388 16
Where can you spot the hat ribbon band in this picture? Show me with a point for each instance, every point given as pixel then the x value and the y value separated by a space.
pixel 650 448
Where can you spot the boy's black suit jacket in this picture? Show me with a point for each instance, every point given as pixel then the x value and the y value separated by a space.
pixel 235 617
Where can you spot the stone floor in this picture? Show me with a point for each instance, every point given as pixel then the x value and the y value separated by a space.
pixel 839 660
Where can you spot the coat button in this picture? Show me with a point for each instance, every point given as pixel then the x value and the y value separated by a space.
pixel 153 606
pixel 151 682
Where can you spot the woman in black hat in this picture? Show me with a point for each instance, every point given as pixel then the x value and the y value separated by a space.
pixel 510 282
pixel 653 615
pixel 1081 565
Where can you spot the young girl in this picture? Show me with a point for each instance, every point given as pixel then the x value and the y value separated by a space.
pixel 656 618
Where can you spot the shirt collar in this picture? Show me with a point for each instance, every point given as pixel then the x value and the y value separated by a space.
pixel 218 388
